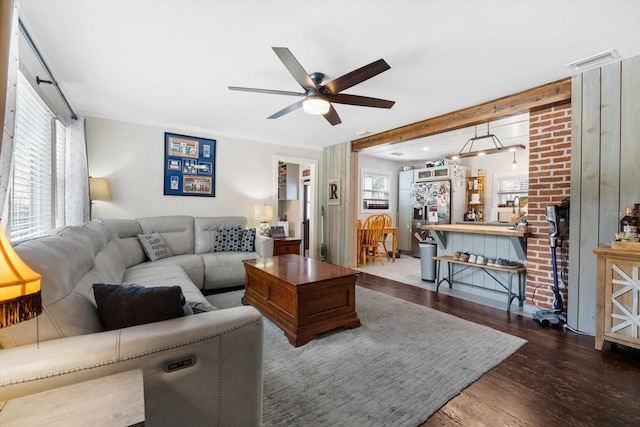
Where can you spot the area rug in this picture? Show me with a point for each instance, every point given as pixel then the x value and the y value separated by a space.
pixel 403 364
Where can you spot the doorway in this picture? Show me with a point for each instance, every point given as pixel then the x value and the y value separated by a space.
pixel 295 205
pixel 306 215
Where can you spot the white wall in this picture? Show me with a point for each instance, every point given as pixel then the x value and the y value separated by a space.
pixel 131 157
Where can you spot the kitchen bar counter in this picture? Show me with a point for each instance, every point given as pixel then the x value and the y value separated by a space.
pixel 518 238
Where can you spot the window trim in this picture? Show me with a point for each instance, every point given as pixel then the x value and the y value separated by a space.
pixel 32 196
pixel 364 172
pixel 501 176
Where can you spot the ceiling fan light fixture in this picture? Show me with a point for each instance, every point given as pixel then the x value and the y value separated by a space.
pixel 316 105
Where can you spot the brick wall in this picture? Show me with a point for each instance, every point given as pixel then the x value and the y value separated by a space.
pixel 549 184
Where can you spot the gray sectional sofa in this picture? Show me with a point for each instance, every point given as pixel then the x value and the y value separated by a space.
pixel 223 387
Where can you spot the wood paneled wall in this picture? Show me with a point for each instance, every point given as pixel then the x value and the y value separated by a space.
pixel 605 172
pixel 338 162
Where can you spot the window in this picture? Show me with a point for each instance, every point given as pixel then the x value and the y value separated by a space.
pixel 509 186
pixel 37 193
pixel 375 191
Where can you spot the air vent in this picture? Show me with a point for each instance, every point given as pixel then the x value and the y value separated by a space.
pixel 396 154
pixel 594 60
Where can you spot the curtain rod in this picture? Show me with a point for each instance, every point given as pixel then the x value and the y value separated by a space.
pixel 52 81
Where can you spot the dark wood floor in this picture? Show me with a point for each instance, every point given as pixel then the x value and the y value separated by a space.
pixel 556 379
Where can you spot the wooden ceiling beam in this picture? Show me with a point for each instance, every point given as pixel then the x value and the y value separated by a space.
pixel 558 92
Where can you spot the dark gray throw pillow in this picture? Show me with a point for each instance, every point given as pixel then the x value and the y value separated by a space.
pixel 121 306
pixel 227 239
pixel 248 241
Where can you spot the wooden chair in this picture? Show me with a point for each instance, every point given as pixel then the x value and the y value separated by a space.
pixel 371 232
pixel 383 236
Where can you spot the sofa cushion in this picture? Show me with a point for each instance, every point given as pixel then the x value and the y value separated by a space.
pixel 166 273
pixel 227 239
pixel 121 306
pixel 124 232
pixel 225 269
pixel 176 230
pixel 154 246
pixel 63 258
pixel 192 264
pixel 205 230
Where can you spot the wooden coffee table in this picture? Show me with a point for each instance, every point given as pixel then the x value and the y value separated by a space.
pixel 302 296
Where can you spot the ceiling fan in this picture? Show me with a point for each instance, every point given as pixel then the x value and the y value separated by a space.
pixel 318 97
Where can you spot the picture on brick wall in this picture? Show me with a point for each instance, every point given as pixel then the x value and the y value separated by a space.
pixel 189 166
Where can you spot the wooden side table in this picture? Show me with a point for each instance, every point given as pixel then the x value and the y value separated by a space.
pixel 286 246
pixel 115 400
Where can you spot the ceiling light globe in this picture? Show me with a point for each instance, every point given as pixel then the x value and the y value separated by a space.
pixel 316 105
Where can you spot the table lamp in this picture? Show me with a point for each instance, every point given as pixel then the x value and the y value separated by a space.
pixel 19 286
pixel 264 214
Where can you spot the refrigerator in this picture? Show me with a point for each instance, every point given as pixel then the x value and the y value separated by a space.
pixel 431 203
pixel 436 197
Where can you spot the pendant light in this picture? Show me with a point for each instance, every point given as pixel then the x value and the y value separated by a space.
pixel 514 164
pixel 498 147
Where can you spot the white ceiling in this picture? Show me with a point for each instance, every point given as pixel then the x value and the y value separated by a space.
pixel 169 63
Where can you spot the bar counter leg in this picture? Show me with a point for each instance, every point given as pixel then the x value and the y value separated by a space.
pixel 511 295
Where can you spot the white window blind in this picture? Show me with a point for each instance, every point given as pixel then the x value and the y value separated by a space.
pixel 36 160
pixel 61 145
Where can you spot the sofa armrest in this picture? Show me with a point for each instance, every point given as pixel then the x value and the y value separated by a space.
pixel 264 246
pixel 222 387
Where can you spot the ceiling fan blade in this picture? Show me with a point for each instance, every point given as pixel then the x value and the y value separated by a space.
pixel 332 116
pixel 294 67
pixel 269 91
pixel 357 76
pixel 286 110
pixel 364 101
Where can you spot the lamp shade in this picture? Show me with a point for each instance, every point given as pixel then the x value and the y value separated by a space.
pixel 263 213
pixel 99 189
pixel 19 286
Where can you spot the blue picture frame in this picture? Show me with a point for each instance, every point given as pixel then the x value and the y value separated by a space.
pixel 189 166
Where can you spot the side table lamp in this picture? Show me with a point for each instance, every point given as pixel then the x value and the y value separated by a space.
pixel 19 286
pixel 264 214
